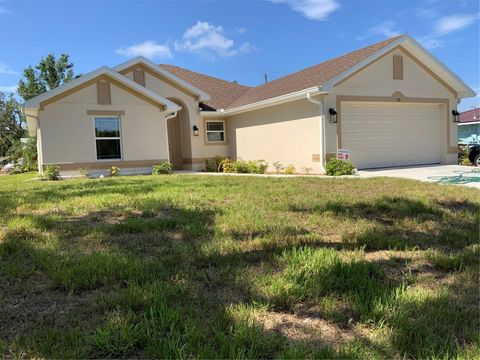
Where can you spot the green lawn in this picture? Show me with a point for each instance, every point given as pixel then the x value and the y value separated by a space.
pixel 238 267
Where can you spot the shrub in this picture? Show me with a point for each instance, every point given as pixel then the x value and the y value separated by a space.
pixel 244 167
pixel 337 167
pixel 215 164
pixel 51 173
pixel 257 166
pixel 241 167
pixel 307 170
pixel 227 165
pixel 463 156
pixel 278 167
pixel 83 172
pixel 163 169
pixel 114 170
pixel 290 170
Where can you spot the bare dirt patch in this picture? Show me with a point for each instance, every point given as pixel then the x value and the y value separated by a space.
pixel 315 330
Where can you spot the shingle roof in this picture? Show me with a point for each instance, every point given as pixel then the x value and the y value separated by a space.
pixel 469 116
pixel 222 92
pixel 228 95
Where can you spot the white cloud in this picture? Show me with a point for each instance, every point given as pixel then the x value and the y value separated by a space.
pixel 312 9
pixel 428 13
pixel 429 42
pixel 444 26
pixel 241 30
pixel 8 89
pixel 149 49
pixel 209 41
pixel 5 69
pixel 453 23
pixel 385 29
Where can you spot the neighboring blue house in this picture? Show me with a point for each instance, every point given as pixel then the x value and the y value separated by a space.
pixel 469 127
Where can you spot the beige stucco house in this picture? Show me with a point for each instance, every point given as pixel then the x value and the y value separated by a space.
pixel 389 104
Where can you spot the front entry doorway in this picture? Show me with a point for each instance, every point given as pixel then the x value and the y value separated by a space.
pixel 175 143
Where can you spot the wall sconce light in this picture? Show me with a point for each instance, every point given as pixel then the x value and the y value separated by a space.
pixel 333 115
pixel 196 132
pixel 456 115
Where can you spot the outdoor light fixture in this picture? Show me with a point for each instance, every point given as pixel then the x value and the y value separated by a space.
pixel 333 115
pixel 456 115
pixel 196 132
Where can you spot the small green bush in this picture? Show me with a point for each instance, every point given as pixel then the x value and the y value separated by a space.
pixel 114 170
pixel 257 166
pixel 290 170
pixel 163 169
pixel 241 167
pixel 463 156
pixel 227 165
pixel 83 172
pixel 337 167
pixel 51 173
pixel 214 164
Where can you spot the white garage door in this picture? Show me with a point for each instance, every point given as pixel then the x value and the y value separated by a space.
pixel 391 134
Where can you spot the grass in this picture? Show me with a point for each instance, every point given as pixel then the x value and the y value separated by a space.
pixel 234 267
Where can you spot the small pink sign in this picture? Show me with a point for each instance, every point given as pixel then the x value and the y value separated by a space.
pixel 343 154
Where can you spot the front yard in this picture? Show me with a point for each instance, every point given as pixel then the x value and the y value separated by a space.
pixel 238 267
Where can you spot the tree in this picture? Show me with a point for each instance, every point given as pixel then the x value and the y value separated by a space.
pixel 49 74
pixel 12 122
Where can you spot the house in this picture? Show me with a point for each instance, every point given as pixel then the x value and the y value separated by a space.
pixel 389 104
pixel 469 127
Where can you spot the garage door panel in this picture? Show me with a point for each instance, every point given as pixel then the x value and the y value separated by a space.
pixel 391 134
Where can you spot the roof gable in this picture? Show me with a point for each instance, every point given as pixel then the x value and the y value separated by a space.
pixel 126 66
pixel 77 84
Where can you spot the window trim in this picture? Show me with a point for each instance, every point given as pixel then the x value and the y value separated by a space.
pixel 95 138
pixel 209 142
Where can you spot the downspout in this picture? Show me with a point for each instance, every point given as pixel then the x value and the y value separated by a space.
pixel 322 130
pixel 168 117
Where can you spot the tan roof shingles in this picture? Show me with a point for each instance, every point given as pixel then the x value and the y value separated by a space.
pixel 228 95
pixel 313 76
pixel 222 92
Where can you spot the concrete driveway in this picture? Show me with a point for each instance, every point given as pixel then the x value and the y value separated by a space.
pixel 443 174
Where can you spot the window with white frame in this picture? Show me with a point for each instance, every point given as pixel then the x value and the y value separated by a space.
pixel 107 138
pixel 215 131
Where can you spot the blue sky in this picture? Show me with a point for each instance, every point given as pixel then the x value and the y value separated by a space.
pixel 232 39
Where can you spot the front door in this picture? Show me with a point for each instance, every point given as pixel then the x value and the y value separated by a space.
pixel 175 143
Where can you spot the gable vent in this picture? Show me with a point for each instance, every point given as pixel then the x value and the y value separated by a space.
pixel 397 67
pixel 103 92
pixel 139 76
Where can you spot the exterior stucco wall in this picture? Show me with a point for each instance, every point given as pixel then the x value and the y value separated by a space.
pixel 376 80
pixel 288 133
pixel 194 148
pixel 68 135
